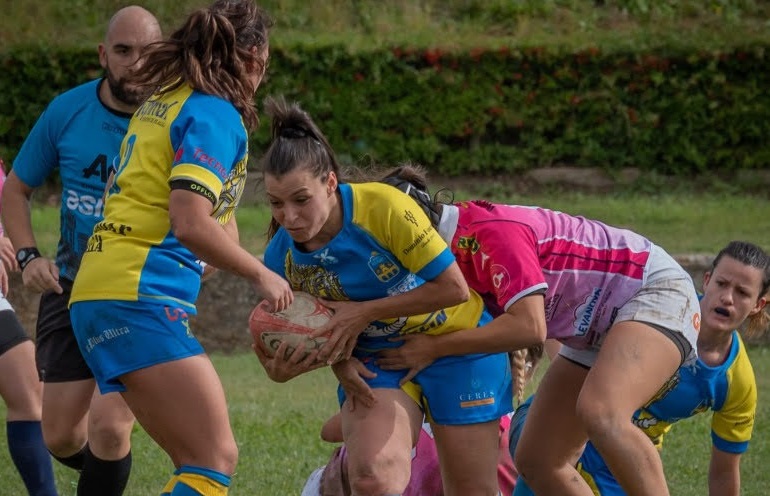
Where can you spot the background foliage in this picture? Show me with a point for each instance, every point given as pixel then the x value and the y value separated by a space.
pixel 468 86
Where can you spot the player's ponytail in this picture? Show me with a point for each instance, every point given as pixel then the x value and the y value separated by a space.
pixel 296 142
pixel 213 53
pixel 523 365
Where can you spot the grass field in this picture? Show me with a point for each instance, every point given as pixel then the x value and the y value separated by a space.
pixel 680 222
pixel 277 429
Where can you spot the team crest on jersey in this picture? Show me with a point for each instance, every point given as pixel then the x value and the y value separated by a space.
pixel 383 267
pixel 468 243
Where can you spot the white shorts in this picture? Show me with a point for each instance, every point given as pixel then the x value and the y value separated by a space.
pixel 667 301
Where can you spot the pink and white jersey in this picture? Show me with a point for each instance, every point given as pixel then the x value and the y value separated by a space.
pixel 586 269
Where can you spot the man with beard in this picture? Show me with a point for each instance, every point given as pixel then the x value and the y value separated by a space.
pixel 80 134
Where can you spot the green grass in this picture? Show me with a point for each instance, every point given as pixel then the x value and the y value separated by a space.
pixel 277 428
pixel 679 222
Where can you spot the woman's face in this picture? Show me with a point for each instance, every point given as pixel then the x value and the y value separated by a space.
pixel 730 295
pixel 301 202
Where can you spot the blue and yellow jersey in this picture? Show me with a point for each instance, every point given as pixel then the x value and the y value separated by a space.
pixel 180 139
pixel 729 390
pixel 386 247
pixel 78 135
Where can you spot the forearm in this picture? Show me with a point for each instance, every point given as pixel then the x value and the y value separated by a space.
pixel 429 297
pixel 503 334
pixel 204 237
pixel 725 485
pixel 724 473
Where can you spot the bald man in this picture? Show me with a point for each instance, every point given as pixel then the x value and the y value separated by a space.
pixel 79 133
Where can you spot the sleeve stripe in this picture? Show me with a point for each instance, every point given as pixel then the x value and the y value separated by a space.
pixel 193 187
pixel 197 174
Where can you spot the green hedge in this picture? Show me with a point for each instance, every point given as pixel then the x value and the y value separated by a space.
pixel 485 111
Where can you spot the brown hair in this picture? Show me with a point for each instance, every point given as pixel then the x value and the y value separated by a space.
pixel 212 52
pixel 296 142
pixel 753 256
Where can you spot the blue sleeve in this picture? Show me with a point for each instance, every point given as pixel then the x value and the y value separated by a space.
pixel 208 139
pixel 275 254
pixel 39 156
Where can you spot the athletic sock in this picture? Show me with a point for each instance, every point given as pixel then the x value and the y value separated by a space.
pixel 75 461
pixel 104 477
pixel 199 481
pixel 29 454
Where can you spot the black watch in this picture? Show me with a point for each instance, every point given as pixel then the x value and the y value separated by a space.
pixel 26 255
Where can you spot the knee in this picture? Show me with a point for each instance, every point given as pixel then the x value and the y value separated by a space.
pixel 63 442
pixel 229 453
pixel 110 433
pixel 601 419
pixel 378 478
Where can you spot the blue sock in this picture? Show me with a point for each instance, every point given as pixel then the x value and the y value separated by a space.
pixel 29 454
pixel 195 481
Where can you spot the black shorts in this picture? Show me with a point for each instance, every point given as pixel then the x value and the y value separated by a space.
pixel 11 331
pixel 57 354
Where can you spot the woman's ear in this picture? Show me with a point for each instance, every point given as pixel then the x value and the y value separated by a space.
pixel 331 183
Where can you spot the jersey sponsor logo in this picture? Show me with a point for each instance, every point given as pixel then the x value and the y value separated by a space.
pixel 201 157
pixel 313 279
pixel 382 266
pixel 84 204
pixel 99 167
pixel 696 321
pixel 179 315
pixel 105 335
pixel 424 236
pixel 112 128
pixel 121 229
pixel 409 216
pixel 408 283
pixel 94 243
pixel 500 278
pixel 585 312
pixel 468 243
pixel 154 111
pixel 476 398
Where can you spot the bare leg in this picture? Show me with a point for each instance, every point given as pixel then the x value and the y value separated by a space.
pixel 468 456
pixel 182 406
pixel 553 436
pixel 379 441
pixel 20 387
pixel 634 362
pixel 65 415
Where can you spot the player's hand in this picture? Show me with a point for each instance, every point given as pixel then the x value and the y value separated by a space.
pixel 348 322
pixel 41 275
pixel 274 289
pixel 351 373
pixel 7 255
pixel 415 354
pixel 287 363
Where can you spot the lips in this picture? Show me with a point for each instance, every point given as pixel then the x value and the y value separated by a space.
pixel 721 311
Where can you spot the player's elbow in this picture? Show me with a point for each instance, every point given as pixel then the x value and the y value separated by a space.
pixel 185 229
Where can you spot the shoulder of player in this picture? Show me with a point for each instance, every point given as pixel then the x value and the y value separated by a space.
pixel 71 101
pixel 219 113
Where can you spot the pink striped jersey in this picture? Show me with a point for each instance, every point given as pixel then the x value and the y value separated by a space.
pixel 586 269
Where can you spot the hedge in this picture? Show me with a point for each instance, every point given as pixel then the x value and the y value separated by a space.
pixel 485 111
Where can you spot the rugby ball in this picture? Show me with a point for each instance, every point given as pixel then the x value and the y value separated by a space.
pixel 293 325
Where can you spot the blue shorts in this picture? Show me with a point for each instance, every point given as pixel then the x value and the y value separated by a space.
pixel 117 337
pixel 455 390
pixel 597 474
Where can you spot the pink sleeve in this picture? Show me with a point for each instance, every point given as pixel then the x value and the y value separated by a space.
pixel 507 263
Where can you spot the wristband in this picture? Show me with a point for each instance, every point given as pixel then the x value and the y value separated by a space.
pixel 26 255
